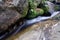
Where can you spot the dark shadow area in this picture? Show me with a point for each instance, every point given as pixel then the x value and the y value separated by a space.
pixel 45 14
pixel 12 29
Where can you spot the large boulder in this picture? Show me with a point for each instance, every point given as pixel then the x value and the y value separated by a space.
pixel 11 11
pixel 7 18
pixel 20 5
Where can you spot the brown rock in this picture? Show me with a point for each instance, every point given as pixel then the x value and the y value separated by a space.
pixel 8 17
pixel 20 5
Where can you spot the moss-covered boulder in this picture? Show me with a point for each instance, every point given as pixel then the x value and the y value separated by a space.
pixel 20 6
pixel 23 6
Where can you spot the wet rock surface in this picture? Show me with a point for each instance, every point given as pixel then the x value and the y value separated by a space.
pixel 38 31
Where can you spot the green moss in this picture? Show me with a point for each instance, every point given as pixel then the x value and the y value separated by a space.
pixel 46 9
pixel 32 4
pixel 32 14
pixel 41 12
pixel 25 12
pixel 56 7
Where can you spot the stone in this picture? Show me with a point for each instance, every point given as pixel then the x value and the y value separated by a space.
pixel 7 18
pixel 37 31
pixel 11 11
pixel 20 5
pixel 57 17
pixel 55 34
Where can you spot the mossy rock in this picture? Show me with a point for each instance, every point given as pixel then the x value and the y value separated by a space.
pixel 39 11
pixel 32 14
pixel 23 7
pixel 20 6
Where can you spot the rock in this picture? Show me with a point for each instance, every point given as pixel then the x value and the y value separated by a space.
pixel 9 12
pixel 41 31
pixel 34 32
pixel 23 7
pixel 56 17
pixel 20 5
pixel 7 17
pixel 55 33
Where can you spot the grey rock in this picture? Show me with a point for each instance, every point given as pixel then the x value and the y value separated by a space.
pixel 52 33
pixel 57 17
pixel 20 5
pixel 8 15
pixel 38 31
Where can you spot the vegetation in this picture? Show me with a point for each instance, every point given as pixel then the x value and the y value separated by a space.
pixel 35 10
pixel 56 7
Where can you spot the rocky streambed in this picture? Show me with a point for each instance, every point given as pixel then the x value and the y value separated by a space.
pixel 47 30
pixel 11 12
